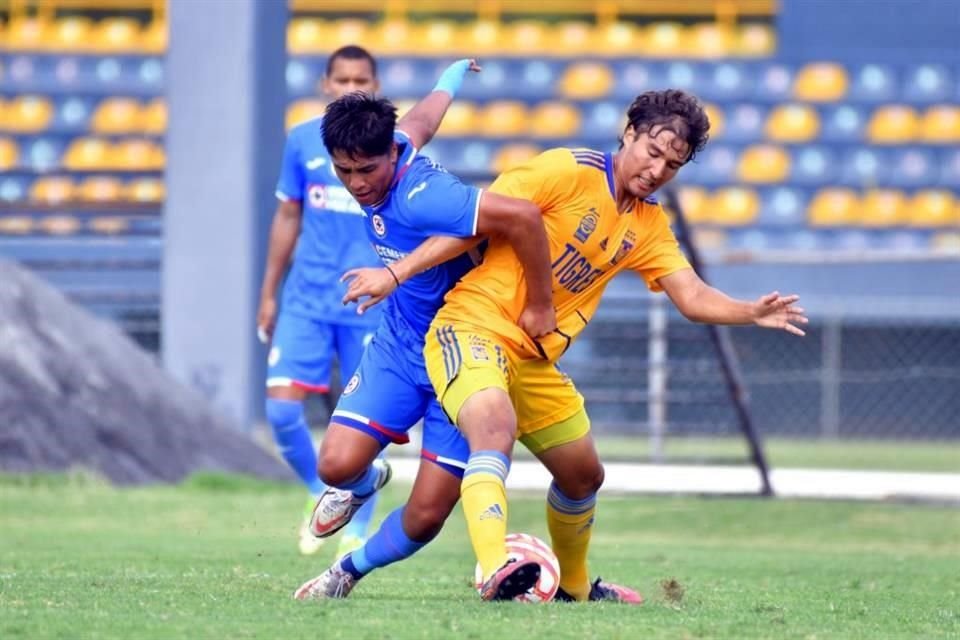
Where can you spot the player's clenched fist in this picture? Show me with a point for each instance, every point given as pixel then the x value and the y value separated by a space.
pixel 537 321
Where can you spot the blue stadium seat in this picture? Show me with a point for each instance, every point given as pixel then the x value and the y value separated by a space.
pixel 774 82
pixel 912 167
pixel 684 75
pixel 407 77
pixel 73 115
pixel 783 206
pixel 41 154
pixel 601 122
pixel 538 79
pixel 949 169
pixel 716 166
pixel 812 165
pixel 744 123
pixel 302 78
pixel 928 83
pixel 844 123
pixel 727 82
pixel 805 240
pixel 13 188
pixel 906 240
pixel 632 79
pixel 862 167
pixel 20 73
pixel 474 157
pixel 149 76
pixel 873 83
pixel 854 239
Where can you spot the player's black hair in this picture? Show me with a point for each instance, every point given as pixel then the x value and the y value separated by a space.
pixel 673 110
pixel 352 52
pixel 359 124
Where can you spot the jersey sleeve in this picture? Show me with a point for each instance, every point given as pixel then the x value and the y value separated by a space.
pixel 291 182
pixel 437 203
pixel 661 255
pixel 545 180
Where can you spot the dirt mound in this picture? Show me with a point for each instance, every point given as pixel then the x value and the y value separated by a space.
pixel 76 392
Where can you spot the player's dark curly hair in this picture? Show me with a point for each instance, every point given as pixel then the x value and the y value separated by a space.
pixel 673 110
pixel 359 124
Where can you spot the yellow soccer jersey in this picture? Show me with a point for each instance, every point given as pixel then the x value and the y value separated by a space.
pixel 590 242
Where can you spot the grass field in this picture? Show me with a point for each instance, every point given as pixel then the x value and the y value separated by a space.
pixel 216 558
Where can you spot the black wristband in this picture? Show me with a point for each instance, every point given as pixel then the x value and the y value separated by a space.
pixel 395 278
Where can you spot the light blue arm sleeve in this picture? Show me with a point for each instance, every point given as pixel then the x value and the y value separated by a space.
pixel 291 183
pixel 437 203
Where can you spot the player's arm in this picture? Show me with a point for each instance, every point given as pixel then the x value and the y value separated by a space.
pixel 421 122
pixel 699 302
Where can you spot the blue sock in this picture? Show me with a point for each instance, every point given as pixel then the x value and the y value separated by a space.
pixel 388 545
pixel 293 439
pixel 365 484
pixel 360 524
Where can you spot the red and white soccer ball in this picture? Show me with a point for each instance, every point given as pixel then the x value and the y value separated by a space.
pixel 526 547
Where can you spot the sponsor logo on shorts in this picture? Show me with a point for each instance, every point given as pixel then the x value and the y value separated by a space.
pixel 353 385
pixel 479 352
pixel 274 356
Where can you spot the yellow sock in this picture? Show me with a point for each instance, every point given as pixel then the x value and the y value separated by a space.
pixel 484 500
pixel 571 524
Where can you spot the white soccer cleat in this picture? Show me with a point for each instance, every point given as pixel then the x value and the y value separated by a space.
pixel 332 583
pixel 307 542
pixel 336 507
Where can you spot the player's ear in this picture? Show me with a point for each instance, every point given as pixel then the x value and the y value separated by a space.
pixel 393 152
pixel 629 134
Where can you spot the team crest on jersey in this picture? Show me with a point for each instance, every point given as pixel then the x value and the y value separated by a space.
pixel 588 224
pixel 352 386
pixel 274 356
pixel 625 247
pixel 379 227
pixel 317 196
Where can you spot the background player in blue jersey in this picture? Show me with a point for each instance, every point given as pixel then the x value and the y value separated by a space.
pixel 319 217
pixel 407 198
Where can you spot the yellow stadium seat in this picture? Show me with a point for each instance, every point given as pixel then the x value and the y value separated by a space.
pixel 71 34
pixel 60 225
pixel 109 225
pixel 934 208
pixel 15 225
pixel 715 115
pixel 461 119
pixel 821 82
pixel 511 155
pixel 28 114
pixel 9 154
pixel 154 116
pixel 834 208
pixel 117 115
pixel 764 164
pixel 439 37
pixel 347 31
pixel 118 35
pixel 734 206
pixel 27 34
pixel 711 40
pixel 572 38
pixel 100 189
pixel 792 123
pixel 893 124
pixel 303 110
pixel 525 37
pixel 666 40
pixel 503 119
pixel 755 41
pixel 137 154
pixel 585 80
pixel 393 36
pixel 147 190
pixel 52 190
pixel 883 208
pixel 941 125
pixel 554 120
pixel 88 154
pixel 482 37
pixel 306 35
pixel 694 202
pixel 154 39
pixel 946 241
pixel 618 39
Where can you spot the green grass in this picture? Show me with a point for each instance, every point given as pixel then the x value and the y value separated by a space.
pixel 216 558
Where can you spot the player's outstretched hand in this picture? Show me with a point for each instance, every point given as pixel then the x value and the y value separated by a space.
pixel 474 66
pixel 375 283
pixel 774 311
pixel 538 321
pixel 266 319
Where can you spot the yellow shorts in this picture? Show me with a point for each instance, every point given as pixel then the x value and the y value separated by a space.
pixel 462 361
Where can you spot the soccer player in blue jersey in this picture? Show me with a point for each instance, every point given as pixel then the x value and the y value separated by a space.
pixel 407 199
pixel 317 216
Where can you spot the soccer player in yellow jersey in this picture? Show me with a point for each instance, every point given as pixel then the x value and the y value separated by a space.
pixel 498 384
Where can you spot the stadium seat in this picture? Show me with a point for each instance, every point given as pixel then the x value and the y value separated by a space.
pixel 727 82
pixel 618 39
pixel 602 120
pixel 101 189
pixel 394 36
pixel 941 125
pixel 439 37
pixel 946 241
pixel 554 120
pixel 41 154
pixel 13 188
pixel 792 123
pixel 883 208
pixel 782 206
pixel 303 110
pixel 711 40
pixel 586 80
pixel 820 82
pixel 525 37
pixel 117 115
pixel 136 154
pixel 874 83
pixel 715 115
pixel 303 78
pixel 71 34
pixel 812 165
pixel 716 166
pixel 834 208
pixel 146 190
pixel 734 206
pixel 755 41
pixel 28 114
pixel 910 168
pixel 503 119
pixel 774 82
pixel 15 225
pixel 118 35
pixel 511 155
pixel 154 38
pixel 893 124
pixel 460 120
pixel 744 123
pixel 682 75
pixel 108 225
pixel 27 34
pixel 52 190
pixel 60 225
pixel 347 31
pixel 306 36
pixel 9 154
pixel 155 116
pixel 694 202
pixel 763 164
pixel 844 123
pixel 572 38
pixel 949 169
pixel 666 40
pixel 928 83
pixel 73 115
pixel 88 154
pixel 863 167
pixel 482 37
pixel 934 208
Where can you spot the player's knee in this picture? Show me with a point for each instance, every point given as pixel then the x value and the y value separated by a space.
pixel 283 415
pixel 489 421
pixel 583 484
pixel 337 469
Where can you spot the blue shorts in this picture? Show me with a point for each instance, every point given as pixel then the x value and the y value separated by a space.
pixel 302 351
pixel 390 392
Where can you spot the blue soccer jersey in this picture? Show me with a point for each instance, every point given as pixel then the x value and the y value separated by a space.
pixel 332 237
